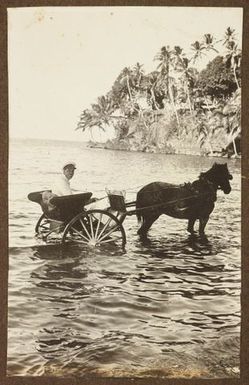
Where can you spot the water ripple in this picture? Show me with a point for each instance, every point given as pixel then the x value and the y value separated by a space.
pixel 168 306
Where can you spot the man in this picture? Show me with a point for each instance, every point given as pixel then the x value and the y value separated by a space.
pixel 62 184
pixel 61 187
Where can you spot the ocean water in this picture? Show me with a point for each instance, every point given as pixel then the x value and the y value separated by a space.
pixel 165 307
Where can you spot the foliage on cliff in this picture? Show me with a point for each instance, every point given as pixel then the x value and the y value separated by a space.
pixel 175 108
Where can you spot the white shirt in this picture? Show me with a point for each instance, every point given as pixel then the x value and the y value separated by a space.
pixel 62 186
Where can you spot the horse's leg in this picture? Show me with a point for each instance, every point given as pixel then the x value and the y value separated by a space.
pixel 203 222
pixel 147 223
pixel 191 223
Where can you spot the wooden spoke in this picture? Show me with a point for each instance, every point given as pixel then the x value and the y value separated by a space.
pixel 53 231
pixel 91 226
pixel 42 223
pixel 105 226
pixel 80 234
pixel 81 241
pixel 111 240
pixel 84 227
pixel 98 224
pixel 108 233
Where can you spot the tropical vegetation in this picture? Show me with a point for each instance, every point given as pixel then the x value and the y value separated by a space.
pixel 176 108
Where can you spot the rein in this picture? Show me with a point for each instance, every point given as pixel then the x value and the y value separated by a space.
pixel 163 205
pixel 197 194
pixel 187 185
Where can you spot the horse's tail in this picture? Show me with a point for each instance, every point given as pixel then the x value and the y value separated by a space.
pixel 139 217
pixel 138 212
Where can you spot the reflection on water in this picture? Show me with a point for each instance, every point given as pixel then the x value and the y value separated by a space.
pixel 90 312
pixel 166 306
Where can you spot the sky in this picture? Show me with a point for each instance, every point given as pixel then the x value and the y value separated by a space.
pixel 60 59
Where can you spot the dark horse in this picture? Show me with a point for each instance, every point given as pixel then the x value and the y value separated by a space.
pixel 190 201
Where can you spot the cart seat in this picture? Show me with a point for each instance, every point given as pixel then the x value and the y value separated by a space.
pixel 37 196
pixel 65 207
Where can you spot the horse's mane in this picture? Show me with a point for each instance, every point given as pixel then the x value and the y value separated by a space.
pixel 205 175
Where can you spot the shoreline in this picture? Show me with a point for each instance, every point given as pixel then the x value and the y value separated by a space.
pixel 153 150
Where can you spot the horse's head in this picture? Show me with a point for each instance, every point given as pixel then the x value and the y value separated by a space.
pixel 220 175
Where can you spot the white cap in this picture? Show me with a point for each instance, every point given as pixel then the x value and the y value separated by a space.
pixel 69 163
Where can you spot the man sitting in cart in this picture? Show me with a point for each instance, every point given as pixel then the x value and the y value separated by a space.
pixel 60 188
pixel 62 184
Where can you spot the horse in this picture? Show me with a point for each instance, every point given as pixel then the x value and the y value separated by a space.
pixel 189 201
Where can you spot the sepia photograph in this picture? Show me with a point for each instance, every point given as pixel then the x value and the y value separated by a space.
pixel 124 192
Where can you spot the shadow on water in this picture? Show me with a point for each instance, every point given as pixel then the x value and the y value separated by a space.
pixel 65 268
pixel 180 247
pixel 95 305
pixel 193 243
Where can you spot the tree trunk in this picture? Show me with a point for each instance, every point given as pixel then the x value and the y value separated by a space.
pixel 128 86
pixel 189 103
pixel 153 98
pixel 231 139
pixel 234 148
pixel 91 133
pixel 210 146
pixel 206 102
pixel 235 76
pixel 209 142
pixel 174 107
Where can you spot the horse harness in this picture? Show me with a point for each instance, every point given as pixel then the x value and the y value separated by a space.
pixel 198 196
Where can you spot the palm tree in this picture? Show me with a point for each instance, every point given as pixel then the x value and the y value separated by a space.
pixel 205 131
pixel 181 65
pixel 128 80
pixel 230 117
pixel 233 57
pixel 138 74
pixel 229 35
pixel 164 58
pixel 164 80
pixel 209 43
pixel 199 49
pixel 88 120
pixel 150 84
pixel 100 115
pixel 137 77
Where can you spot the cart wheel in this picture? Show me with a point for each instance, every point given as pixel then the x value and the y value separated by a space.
pixel 95 228
pixel 42 224
pixel 48 230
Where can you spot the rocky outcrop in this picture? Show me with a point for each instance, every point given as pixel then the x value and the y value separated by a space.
pixel 160 132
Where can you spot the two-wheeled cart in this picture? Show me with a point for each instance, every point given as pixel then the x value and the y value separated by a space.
pixel 73 221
